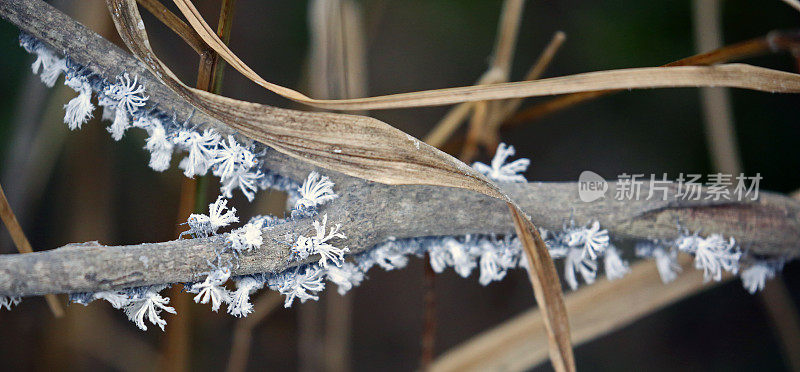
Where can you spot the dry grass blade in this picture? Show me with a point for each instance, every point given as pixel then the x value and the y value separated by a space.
pixel 771 43
pixel 176 25
pixel 508 346
pixel 547 289
pixel 23 245
pixel 358 146
pixel 793 3
pixel 735 76
pixel 508 30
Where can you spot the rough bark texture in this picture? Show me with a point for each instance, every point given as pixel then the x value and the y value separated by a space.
pixel 369 212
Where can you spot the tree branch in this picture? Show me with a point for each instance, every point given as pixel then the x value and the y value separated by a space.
pixel 369 213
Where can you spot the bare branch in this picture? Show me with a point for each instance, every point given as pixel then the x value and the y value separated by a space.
pixel 372 213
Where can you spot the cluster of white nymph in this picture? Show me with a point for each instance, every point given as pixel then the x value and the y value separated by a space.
pixel 240 305
pixel 756 274
pixel 501 171
pixel 496 258
pixel 246 237
pixel 301 283
pixel 139 304
pixel 234 164
pixel 389 255
pixel 451 252
pixel 237 164
pixel 50 65
pixel 615 266
pixel 581 246
pixel 316 190
pixel 146 302
pixel 124 103
pixel 318 244
pixel 346 276
pixel 124 99
pixel 158 142
pixel 712 254
pixel 201 225
pixel 202 148
pixel 8 301
pixel 79 110
pixel 212 289
pixel 666 259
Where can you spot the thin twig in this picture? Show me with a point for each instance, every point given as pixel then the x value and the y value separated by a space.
pixel 773 42
pixel 715 102
pixel 224 27
pixel 499 70
pixel 175 356
pixel 177 25
pixel 480 111
pixel 455 116
pixel 507 32
pixel 502 58
pixel 23 245
pixel 536 71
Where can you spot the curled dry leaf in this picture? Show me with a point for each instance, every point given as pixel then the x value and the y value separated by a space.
pixel 361 147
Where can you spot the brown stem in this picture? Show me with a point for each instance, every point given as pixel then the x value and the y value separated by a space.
pixel 23 245
pixel 224 31
pixel 177 348
pixel 176 25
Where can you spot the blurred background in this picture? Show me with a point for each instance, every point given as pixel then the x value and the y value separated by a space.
pixel 82 186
